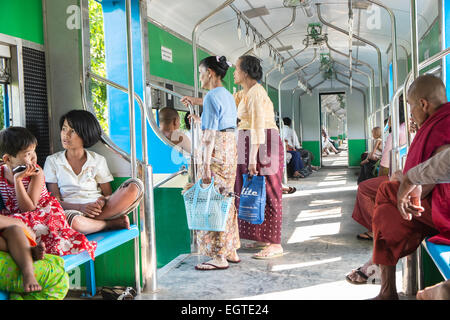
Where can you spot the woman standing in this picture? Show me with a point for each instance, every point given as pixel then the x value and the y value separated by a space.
pixel 219 157
pixel 260 152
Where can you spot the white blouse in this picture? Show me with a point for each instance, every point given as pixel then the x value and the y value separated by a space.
pixel 82 188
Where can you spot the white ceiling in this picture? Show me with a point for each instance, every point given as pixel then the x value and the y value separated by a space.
pixel 219 33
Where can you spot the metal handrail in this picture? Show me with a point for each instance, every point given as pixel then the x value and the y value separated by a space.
pixel 280 122
pixel 371 88
pixel 266 76
pixel 182 170
pixel 239 13
pixel 393 40
pixel 158 132
pixel 194 40
pixel 371 110
pixel 380 65
pixel 294 15
pixel 438 56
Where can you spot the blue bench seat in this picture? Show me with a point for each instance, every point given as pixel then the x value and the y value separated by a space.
pixel 106 240
pixel 440 254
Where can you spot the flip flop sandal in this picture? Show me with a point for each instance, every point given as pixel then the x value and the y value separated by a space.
pixel 360 273
pixel 118 293
pixel 360 237
pixel 209 269
pixel 254 246
pixel 234 261
pixel 290 191
pixel 270 255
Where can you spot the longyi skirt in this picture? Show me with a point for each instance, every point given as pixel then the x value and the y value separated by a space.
pixel 270 164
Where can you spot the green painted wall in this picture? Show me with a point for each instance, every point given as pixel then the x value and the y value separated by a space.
pixel 172 233
pixel 273 95
pixel 22 19
pixel 181 69
pixel 355 149
pixel 314 147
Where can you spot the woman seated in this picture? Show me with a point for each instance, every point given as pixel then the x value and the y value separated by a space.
pixel 80 179
pixel 370 159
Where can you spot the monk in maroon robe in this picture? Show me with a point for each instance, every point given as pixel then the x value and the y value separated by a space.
pixel 395 236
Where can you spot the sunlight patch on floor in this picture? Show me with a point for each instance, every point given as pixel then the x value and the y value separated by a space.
pixel 324 202
pixel 306 233
pixel 332 183
pixel 337 290
pixel 313 214
pixel 282 267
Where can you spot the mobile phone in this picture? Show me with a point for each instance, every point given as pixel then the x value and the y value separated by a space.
pixel 21 168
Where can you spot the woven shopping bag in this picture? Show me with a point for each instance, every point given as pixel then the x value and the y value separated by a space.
pixel 206 209
pixel 252 201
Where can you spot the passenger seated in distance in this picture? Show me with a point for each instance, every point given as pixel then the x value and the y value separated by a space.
pixel 370 159
pixel 169 123
pixel 80 179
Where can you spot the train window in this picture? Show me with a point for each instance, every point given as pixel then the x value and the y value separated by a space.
pixel 98 63
pixel 2 106
pixel 4 81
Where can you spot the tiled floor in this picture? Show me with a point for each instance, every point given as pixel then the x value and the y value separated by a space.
pixel 320 245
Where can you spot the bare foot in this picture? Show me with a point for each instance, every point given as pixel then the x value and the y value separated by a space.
pixel 440 291
pixel 120 223
pixel 38 251
pixel 214 264
pixel 233 257
pixel 269 252
pixel 30 283
pixel 256 245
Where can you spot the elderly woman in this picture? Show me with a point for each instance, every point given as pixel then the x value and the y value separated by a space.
pixel 219 155
pixel 260 151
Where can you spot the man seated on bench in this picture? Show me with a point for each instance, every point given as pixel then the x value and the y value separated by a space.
pixel 292 145
pixel 394 236
pixel 433 171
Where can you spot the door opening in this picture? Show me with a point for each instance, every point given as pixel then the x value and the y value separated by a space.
pixel 333 129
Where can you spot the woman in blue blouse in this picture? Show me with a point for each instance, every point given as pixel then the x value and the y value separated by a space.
pixel 219 159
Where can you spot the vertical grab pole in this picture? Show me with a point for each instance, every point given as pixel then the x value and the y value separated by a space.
pixel 411 272
pixel 132 133
pixel 150 225
pixel 280 122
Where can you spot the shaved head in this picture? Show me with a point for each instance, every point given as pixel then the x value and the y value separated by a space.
pixel 167 115
pixel 425 95
pixel 430 88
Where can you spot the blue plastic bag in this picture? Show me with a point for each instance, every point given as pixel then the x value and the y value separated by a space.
pixel 252 201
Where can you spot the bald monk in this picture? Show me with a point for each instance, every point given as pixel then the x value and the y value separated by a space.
pixel 434 170
pixel 394 236
pixel 169 123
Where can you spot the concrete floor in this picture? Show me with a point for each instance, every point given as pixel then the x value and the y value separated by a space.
pixel 319 241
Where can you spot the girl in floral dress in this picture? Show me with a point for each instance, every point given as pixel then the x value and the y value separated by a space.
pixel 26 198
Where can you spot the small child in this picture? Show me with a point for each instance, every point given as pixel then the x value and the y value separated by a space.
pixel 20 243
pixel 26 198
pixel 80 179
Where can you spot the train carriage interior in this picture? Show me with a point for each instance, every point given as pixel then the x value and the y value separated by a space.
pixel 336 68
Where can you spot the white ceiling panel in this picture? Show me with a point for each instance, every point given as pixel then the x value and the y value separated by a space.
pixel 219 33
